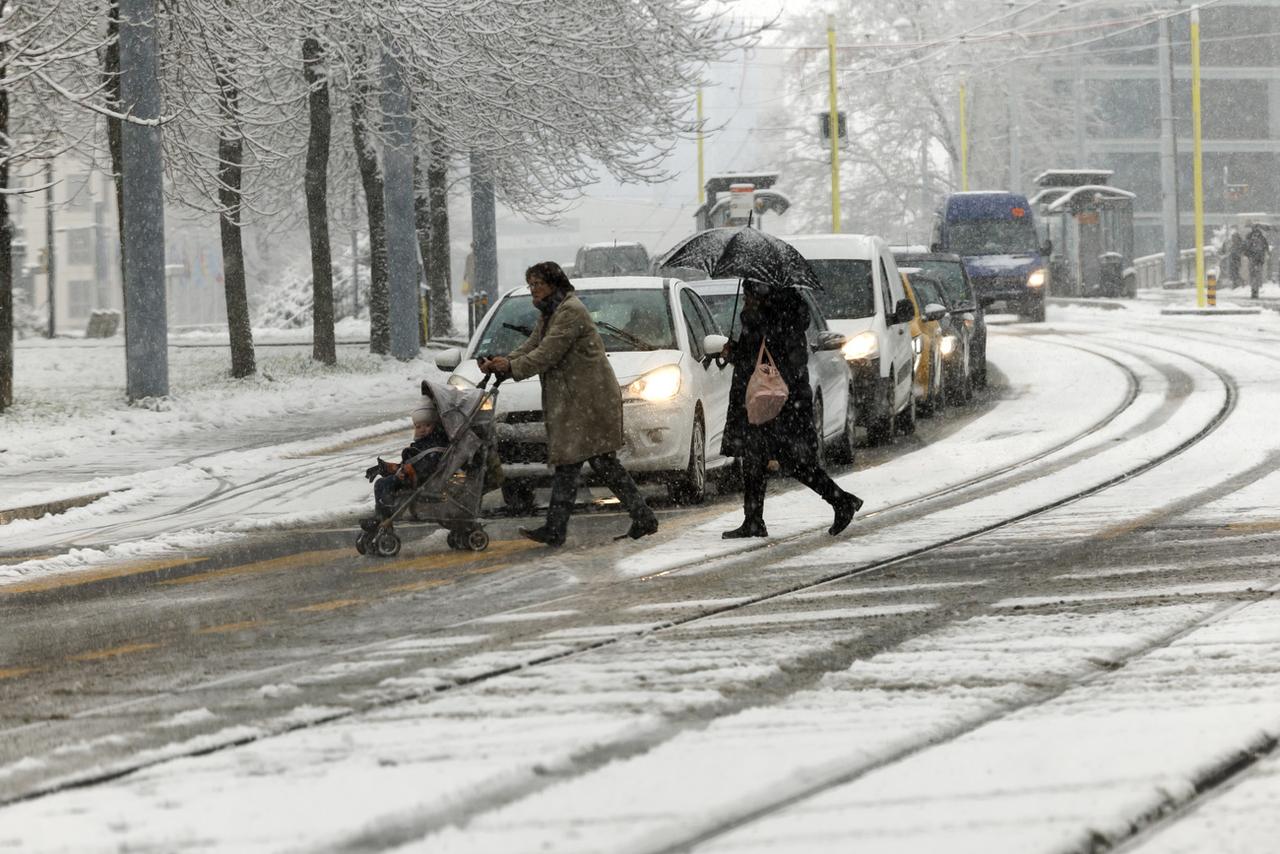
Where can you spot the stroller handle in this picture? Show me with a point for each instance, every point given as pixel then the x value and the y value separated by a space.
pixel 485 382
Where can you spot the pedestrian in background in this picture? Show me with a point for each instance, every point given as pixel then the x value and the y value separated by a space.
pixel 1256 247
pixel 1234 251
pixel 778 319
pixel 581 402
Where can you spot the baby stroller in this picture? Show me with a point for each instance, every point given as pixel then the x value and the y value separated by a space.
pixel 450 494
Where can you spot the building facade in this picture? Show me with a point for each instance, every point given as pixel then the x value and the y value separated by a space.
pixel 1240 116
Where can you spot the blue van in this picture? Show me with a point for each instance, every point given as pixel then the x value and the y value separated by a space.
pixel 995 234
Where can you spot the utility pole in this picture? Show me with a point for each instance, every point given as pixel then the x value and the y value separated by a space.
pixel 833 124
pixel 402 246
pixel 1168 159
pixel 484 228
pixel 50 256
pixel 1197 155
pixel 964 142
pixel 355 249
pixel 1015 141
pixel 702 183
pixel 142 174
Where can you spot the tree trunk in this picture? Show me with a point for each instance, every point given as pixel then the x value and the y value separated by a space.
pixel 371 179
pixel 436 257
pixel 316 183
pixel 422 229
pixel 230 160
pixel 6 246
pixel 111 85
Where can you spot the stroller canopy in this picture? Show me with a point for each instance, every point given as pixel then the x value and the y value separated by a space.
pixel 455 405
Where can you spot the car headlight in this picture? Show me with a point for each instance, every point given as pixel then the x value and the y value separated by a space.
pixel 864 345
pixel 1036 279
pixel 659 384
pixel 948 344
pixel 460 382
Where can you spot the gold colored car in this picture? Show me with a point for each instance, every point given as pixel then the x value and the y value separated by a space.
pixel 929 338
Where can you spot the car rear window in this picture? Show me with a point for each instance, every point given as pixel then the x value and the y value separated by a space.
pixel 848 288
pixel 614 261
pixel 640 315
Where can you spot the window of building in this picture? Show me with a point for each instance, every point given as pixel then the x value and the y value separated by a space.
pixel 1127 108
pixel 78 191
pixel 79 298
pixel 80 246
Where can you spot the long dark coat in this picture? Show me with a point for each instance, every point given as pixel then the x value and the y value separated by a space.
pixel 581 398
pixel 782 321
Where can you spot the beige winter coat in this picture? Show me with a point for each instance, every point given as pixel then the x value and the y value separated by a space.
pixel 581 399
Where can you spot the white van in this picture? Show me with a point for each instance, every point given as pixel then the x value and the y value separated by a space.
pixel 864 300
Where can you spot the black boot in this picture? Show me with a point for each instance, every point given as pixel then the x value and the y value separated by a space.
pixel 620 483
pixel 564 488
pixel 845 506
pixel 749 528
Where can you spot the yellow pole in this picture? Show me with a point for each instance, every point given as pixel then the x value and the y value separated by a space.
pixel 964 144
pixel 833 124
pixel 702 183
pixel 1197 157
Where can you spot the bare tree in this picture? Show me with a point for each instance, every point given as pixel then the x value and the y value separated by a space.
pixel 324 348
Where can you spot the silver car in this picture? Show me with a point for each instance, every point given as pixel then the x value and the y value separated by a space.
pixel 833 401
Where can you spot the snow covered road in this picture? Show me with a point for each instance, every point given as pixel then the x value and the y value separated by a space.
pixel 1053 627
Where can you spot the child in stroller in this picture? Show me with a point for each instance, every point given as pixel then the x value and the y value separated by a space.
pixel 417 461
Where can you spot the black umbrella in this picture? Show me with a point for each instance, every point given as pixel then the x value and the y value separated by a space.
pixel 743 253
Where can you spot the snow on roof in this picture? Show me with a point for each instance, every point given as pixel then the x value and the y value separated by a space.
pixel 833 246
pixel 611 244
pixel 596 283
pixel 1098 189
pixel 716 286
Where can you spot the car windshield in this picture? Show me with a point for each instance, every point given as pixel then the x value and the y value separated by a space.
pixel 614 261
pixel 951 275
pixel 992 237
pixel 627 320
pixel 926 291
pixel 848 289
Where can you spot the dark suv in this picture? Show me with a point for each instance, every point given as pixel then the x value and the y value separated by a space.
pixel 970 369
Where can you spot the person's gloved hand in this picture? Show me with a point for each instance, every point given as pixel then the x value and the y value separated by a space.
pixel 372 472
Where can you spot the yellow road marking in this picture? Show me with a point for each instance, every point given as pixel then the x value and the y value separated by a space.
pixel 419 585
pixel 286 562
pixel 90 576
pixel 11 672
pixel 451 559
pixel 231 627
pixel 331 606
pixel 100 654
pixel 1255 527
pixel 354 443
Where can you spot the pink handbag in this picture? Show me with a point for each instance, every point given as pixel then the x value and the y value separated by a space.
pixel 766 390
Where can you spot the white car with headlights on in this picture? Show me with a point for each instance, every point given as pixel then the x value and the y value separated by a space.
pixel 660 339
pixel 863 299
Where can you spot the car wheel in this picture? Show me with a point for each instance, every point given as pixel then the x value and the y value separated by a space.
pixel 690 486
pixel 884 424
pixel 821 455
pixel 843 451
pixel 518 497
pixel 1035 314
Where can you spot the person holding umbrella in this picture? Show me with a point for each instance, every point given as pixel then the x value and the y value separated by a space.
pixel 774 320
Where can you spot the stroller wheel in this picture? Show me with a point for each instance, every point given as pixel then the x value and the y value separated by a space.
pixel 452 540
pixel 387 544
pixel 478 540
pixel 362 543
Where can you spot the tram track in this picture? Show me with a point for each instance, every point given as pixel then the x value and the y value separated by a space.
pixel 798 544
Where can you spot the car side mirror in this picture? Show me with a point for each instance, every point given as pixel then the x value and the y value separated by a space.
pixel 935 247
pixel 934 311
pixel 713 344
pixel 1047 249
pixel 448 360
pixel 829 340
pixel 904 311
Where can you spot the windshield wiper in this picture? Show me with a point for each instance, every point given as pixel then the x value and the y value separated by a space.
pixel 515 327
pixel 639 343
